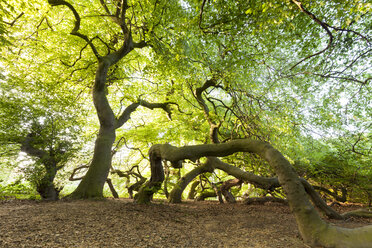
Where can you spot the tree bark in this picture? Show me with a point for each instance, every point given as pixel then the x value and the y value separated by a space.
pixel 314 230
pixel 46 187
pixel 225 189
pixel 176 193
pixel 112 188
pixel 92 184
pixel 192 192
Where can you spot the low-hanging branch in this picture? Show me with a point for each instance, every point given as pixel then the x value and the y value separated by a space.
pixel 265 183
pixel 314 230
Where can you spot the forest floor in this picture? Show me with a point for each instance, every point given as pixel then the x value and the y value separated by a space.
pixel 121 223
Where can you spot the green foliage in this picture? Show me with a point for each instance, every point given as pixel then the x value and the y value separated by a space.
pixel 249 47
pixel 18 190
pixel 334 165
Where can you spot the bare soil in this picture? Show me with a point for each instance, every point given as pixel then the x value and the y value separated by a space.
pixel 122 223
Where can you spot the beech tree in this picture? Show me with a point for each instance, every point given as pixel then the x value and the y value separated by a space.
pixel 120 14
pixel 45 126
pixel 239 74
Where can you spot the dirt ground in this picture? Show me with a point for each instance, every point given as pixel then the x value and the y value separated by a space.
pixel 121 223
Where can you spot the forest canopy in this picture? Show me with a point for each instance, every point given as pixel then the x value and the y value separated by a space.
pixel 139 98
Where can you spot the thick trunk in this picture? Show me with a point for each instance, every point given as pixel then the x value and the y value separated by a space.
pixel 154 184
pixel 313 229
pixel 92 184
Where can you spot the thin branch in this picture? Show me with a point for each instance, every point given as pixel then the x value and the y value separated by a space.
pixel 105 7
pixel 79 58
pixel 201 14
pixel 134 148
pixel 14 21
pixel 322 24
pixel 213 127
pixel 75 30
pixel 75 170
pixel 349 30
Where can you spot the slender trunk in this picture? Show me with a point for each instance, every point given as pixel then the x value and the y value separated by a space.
pixel 112 188
pixel 218 192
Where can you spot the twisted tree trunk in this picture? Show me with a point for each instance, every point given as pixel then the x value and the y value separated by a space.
pixel 314 230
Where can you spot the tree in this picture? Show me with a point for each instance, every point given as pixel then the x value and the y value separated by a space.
pixel 269 71
pixel 92 183
pixel 43 126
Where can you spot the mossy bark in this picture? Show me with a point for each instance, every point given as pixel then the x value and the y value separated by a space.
pixel 144 196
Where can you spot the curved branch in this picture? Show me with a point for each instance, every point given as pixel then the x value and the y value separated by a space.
pixel 322 24
pixel 75 170
pixel 165 106
pixel 75 30
pixel 125 116
pixel 213 127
